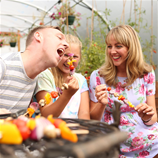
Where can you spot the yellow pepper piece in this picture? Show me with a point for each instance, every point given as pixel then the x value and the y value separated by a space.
pixel 48 98
pixel 51 119
pixel 130 104
pixel 30 111
pixel 119 98
pixel 38 116
pixel 10 134
pixel 66 133
pixel 71 62
pixel 1 121
pixel 31 124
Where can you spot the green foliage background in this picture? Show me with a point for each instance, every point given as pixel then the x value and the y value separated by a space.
pixel 93 52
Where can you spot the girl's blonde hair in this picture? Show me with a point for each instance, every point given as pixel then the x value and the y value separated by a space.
pixel 71 39
pixel 135 65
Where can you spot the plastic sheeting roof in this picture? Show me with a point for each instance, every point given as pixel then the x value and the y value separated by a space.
pixel 23 14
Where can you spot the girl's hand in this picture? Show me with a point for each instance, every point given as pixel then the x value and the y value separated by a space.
pixel 145 111
pixel 73 86
pixel 101 94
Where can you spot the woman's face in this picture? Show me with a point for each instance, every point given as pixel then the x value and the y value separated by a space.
pixel 117 52
pixel 63 65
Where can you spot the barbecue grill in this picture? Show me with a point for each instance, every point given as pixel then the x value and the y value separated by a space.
pixel 102 141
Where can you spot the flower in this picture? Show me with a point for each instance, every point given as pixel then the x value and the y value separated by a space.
pixel 13 37
pixel 41 23
pixel 63 11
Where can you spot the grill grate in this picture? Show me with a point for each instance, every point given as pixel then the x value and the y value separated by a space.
pixel 57 148
pixel 102 141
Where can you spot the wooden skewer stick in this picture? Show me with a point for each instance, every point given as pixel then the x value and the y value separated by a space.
pixel 80 131
pixel 72 124
pixel 25 113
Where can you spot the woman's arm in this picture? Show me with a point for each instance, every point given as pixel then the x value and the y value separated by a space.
pixel 96 110
pixel 58 106
pixel 83 112
pixel 147 111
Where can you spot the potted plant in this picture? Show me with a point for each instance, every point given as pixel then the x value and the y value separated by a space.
pixel 1 42
pixel 13 39
pixel 65 14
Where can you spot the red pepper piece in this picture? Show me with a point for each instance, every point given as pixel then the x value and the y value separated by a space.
pixel 57 122
pixel 25 132
pixel 21 125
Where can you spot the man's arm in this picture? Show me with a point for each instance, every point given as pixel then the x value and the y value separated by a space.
pixel 2 69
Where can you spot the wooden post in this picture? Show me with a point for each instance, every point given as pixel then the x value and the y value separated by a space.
pixel 156 98
pixel 92 21
pixel 139 15
pixel 18 40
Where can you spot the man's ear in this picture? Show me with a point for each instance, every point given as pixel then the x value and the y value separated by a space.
pixel 38 36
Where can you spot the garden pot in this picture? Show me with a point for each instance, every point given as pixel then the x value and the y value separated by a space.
pixel 12 44
pixel 71 19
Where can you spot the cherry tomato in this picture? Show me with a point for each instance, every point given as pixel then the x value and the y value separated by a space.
pixel 54 94
pixel 71 67
pixel 109 88
pixel 122 98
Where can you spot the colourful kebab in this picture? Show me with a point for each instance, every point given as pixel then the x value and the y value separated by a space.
pixel 48 97
pixel 120 97
pixel 70 63
pixel 31 109
pixel 15 131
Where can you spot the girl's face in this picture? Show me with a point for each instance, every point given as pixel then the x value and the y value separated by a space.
pixel 63 65
pixel 118 53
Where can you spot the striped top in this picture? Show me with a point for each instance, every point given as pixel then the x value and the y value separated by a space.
pixel 16 88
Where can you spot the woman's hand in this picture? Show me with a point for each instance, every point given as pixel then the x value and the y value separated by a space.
pixel 101 94
pixel 145 111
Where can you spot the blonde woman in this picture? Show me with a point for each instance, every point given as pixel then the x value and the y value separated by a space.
pixel 73 102
pixel 127 74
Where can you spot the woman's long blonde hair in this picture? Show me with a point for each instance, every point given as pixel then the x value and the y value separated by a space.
pixel 135 65
pixel 71 39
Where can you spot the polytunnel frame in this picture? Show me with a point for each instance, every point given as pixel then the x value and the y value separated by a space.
pixel 80 2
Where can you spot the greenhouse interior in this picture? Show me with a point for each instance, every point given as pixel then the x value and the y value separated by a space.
pixel 79 78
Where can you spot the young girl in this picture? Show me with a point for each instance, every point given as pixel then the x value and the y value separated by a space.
pixel 126 73
pixel 73 102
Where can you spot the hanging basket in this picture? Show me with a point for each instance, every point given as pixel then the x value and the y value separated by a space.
pixel 71 19
pixel 1 44
pixel 12 44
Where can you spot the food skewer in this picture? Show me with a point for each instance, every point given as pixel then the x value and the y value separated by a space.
pixel 120 97
pixel 31 109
